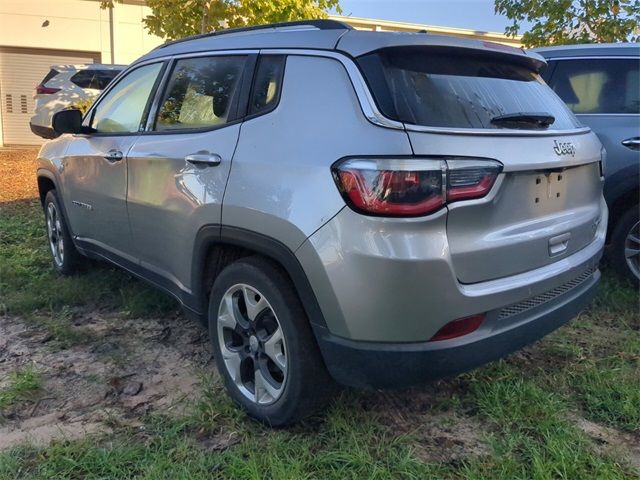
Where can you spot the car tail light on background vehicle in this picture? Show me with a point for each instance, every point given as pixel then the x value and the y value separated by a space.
pixel 458 328
pixel 412 187
pixel 42 90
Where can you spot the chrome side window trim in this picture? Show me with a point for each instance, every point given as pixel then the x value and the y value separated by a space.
pixel 496 132
pixel 367 104
pixel 376 117
pixel 595 57
pixel 365 98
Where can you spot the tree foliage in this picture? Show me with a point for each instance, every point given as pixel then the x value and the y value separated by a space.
pixel 572 21
pixel 172 19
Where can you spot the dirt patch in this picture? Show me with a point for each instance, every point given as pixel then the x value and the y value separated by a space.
pixel 625 446
pixel 129 368
pixel 18 175
pixel 442 435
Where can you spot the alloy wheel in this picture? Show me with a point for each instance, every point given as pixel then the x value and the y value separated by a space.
pixel 252 344
pixel 632 249
pixel 54 233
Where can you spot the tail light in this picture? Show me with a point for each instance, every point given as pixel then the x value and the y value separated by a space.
pixel 458 328
pixel 412 187
pixel 42 90
pixel 468 179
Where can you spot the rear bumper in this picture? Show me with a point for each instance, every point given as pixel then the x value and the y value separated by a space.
pixel 389 365
pixel 392 280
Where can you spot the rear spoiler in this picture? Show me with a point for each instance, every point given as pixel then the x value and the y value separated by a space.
pixel 357 43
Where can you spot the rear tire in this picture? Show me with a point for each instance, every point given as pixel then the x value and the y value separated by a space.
pixel 625 240
pixel 263 344
pixel 66 259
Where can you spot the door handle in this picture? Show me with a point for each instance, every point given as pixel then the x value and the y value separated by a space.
pixel 113 156
pixel 204 159
pixel 559 244
pixel 632 143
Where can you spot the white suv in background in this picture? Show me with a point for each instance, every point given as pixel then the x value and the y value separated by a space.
pixel 66 85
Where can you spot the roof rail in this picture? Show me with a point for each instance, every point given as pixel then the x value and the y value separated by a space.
pixel 322 24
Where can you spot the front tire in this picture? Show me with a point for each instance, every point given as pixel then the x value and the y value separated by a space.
pixel 263 344
pixel 66 259
pixel 625 245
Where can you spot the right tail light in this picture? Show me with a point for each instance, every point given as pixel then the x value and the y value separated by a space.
pixel 412 187
pixel 42 90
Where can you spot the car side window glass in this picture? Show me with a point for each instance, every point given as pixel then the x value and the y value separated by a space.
pixel 102 78
pixel 84 78
pixel 598 85
pixel 200 93
pixel 267 84
pixel 122 108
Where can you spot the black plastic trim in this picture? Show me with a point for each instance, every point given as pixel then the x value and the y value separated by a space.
pixel 53 177
pixel 399 365
pixel 248 113
pixel 185 298
pixel 44 132
pixel 210 235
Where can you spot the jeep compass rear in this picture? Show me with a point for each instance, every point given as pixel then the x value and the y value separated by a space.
pixel 483 240
pixel 376 209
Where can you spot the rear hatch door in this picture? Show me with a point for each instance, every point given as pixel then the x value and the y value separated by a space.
pixel 541 209
pixel 546 203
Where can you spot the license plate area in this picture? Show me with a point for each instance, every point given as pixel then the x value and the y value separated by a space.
pixel 549 187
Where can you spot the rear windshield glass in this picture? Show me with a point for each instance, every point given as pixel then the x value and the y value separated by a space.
pixel 438 89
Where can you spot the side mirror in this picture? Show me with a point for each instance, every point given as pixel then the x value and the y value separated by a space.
pixel 67 121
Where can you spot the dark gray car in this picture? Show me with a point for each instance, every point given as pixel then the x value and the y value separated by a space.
pixel 601 85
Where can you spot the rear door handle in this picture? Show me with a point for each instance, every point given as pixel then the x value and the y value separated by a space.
pixel 113 156
pixel 632 143
pixel 204 159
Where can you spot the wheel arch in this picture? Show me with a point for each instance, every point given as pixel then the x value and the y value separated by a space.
pixel 218 246
pixel 46 182
pixel 621 205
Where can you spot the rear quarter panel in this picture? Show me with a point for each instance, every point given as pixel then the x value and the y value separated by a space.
pixel 280 183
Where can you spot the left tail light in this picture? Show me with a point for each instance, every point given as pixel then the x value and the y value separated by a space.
pixel 412 187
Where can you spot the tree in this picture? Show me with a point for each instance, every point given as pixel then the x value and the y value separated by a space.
pixel 172 19
pixel 572 21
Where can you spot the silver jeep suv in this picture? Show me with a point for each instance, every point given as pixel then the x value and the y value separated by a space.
pixel 363 208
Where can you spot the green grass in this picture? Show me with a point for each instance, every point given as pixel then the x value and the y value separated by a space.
pixel 599 356
pixel 23 383
pixel 525 406
pixel 532 434
pixel 28 283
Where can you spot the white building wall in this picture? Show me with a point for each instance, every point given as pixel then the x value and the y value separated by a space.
pixel 76 25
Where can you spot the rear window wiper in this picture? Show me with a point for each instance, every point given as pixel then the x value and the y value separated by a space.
pixel 524 120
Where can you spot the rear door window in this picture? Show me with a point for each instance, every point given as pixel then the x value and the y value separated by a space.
pixel 598 85
pixel 201 93
pixel 436 89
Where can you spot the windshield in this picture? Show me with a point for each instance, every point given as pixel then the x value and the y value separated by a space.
pixel 436 89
